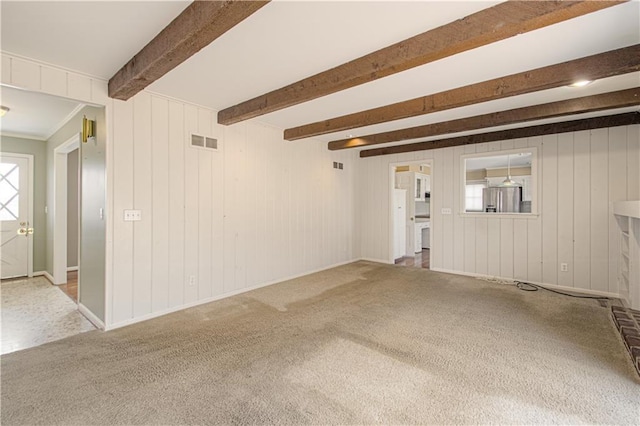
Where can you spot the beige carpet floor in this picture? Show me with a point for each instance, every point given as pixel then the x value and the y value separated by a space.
pixel 360 344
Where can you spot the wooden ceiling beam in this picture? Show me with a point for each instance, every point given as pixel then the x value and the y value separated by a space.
pixel 487 26
pixel 604 101
pixel 602 65
pixel 197 26
pixel 523 132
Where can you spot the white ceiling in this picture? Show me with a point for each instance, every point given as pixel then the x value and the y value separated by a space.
pixel 34 115
pixel 289 40
pixel 94 37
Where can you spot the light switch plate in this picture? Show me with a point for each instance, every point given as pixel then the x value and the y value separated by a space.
pixel 446 211
pixel 132 215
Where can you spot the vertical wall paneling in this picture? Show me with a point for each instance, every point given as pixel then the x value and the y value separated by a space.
pixel 470 245
pixel 507 253
pixel 100 92
pixel 193 242
pixel 122 291
pixel 437 223
pixel 25 74
pixel 79 86
pixel 53 81
pixel 177 190
pixel 447 224
pixel 565 208
pixel 572 224
pixel 633 162
pixel 493 247
pixel 617 147
pixel 582 210
pixel 217 215
pixel 482 246
pixel 160 211
pixel 458 221
pixel 549 209
pixel 534 236
pixel 599 226
pixel 232 137
pixel 520 246
pixel 5 74
pixel 205 209
pixel 192 191
pixel 142 199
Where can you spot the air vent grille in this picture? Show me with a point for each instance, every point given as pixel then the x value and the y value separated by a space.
pixel 204 142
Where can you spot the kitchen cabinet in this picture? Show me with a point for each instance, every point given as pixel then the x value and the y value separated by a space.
pixel 426 237
pixel 422 186
pixel 419 235
pixel 416 183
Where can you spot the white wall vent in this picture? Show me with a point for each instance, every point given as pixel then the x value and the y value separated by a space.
pixel 204 142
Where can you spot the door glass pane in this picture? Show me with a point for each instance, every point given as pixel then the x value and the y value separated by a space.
pixel 9 187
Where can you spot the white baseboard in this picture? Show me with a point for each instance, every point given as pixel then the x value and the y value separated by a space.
pixel 218 297
pixel 586 292
pixel 367 259
pixel 72 268
pixel 46 275
pixel 91 316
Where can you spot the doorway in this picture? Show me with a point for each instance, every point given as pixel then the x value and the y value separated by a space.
pixel 48 304
pixel 64 198
pixel 411 235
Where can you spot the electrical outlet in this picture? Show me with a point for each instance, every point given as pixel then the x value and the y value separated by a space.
pixel 192 280
pixel 564 267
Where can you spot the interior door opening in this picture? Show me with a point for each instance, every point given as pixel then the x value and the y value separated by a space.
pixel 63 291
pixel 412 214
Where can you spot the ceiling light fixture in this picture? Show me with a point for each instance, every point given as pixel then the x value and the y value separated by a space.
pixel 3 110
pixel 581 83
pixel 508 181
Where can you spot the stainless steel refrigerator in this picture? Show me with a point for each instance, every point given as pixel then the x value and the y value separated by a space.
pixel 502 199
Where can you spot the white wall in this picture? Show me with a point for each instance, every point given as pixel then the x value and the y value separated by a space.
pixel 260 210
pixel 580 175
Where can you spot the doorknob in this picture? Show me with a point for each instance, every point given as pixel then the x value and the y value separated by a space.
pixel 25 230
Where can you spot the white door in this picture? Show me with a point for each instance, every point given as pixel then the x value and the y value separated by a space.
pixel 14 216
pixel 399 222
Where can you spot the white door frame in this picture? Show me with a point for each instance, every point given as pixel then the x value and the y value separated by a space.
pixel 60 208
pixel 392 181
pixel 32 183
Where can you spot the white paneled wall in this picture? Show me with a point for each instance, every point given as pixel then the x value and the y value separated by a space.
pixel 32 75
pixel 258 211
pixel 580 175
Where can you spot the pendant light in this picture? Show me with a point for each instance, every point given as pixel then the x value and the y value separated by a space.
pixel 508 181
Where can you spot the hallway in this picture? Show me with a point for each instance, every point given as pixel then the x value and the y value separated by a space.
pixel 35 312
pixel 420 260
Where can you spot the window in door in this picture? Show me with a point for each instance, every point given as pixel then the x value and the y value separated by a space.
pixel 9 191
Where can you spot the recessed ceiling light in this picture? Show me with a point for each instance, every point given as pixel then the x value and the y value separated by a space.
pixel 349 135
pixel 581 83
pixel 3 110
